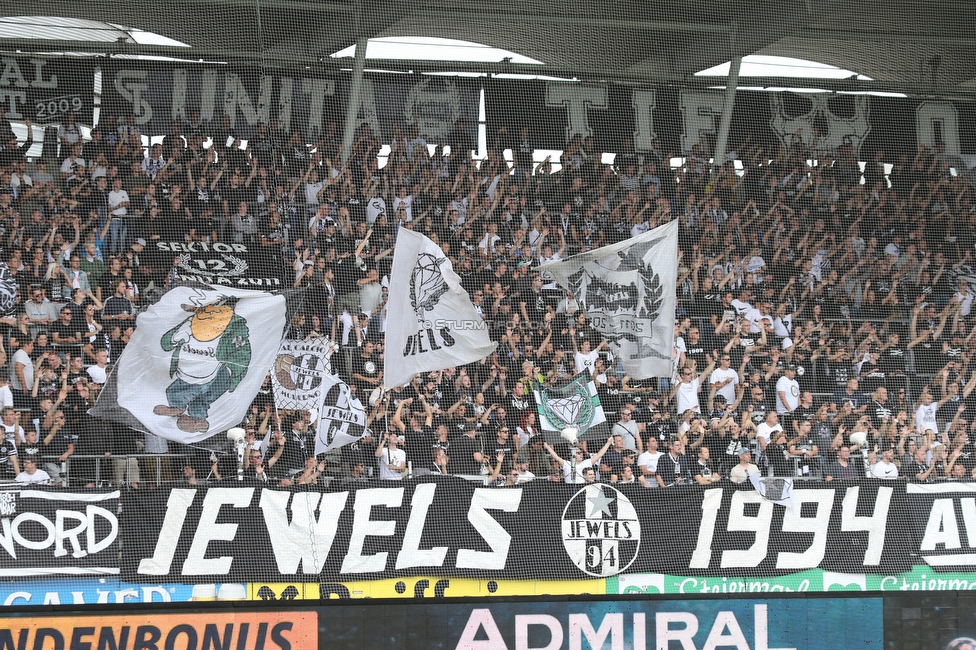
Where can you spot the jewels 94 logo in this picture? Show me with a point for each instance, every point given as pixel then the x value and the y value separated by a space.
pixel 601 531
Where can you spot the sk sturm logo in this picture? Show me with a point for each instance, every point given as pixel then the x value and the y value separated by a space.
pixel 601 531
pixel 570 405
pixel 303 372
pixel 427 284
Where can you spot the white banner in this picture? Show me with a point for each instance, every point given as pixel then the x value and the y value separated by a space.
pixel 298 373
pixel 433 324
pixel 197 359
pixel 342 418
pixel 628 292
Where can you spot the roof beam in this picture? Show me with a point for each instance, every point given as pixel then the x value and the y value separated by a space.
pixel 852 36
pixel 582 21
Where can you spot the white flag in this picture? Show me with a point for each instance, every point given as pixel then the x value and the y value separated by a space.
pixel 197 359
pixel 298 373
pixel 774 488
pixel 342 418
pixel 628 292
pixel 433 324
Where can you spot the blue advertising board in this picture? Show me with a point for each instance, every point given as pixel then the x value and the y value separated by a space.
pixel 105 591
pixel 754 624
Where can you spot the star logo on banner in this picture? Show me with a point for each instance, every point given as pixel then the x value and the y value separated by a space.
pixel 599 504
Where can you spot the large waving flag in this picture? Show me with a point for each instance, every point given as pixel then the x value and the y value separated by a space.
pixel 433 324
pixel 628 292
pixel 197 359
pixel 575 404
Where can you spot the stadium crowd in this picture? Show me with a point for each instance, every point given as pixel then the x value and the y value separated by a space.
pixel 824 326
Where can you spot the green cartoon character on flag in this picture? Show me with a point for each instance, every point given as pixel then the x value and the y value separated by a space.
pixel 211 354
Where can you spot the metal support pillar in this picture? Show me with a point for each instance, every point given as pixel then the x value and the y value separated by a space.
pixel 355 93
pixel 721 141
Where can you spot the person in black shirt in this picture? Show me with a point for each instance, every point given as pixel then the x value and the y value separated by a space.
pixel 296 451
pixel 466 456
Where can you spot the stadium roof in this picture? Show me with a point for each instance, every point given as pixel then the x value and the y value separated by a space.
pixel 922 48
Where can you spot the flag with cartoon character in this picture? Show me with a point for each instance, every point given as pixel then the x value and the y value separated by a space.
pixel 197 359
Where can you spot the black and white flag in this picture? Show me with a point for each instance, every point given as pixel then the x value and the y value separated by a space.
pixel 436 326
pixel 774 488
pixel 341 416
pixel 628 292
pixel 299 371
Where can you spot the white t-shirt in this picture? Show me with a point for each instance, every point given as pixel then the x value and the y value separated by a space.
pixel 374 208
pixel 312 192
pixel 649 460
pixel 97 374
pixel 765 431
pixel 23 358
pixel 580 466
pixel 39 477
pixel 790 388
pixel 966 302
pixel 391 457
pixel 727 391
pixel 687 396
pixel 115 200
pixel 925 418
pixel 585 361
pixel 884 470
pixel 406 203
pixel 198 362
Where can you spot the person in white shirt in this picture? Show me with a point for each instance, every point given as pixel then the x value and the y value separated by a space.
pixel 742 304
pixel 647 462
pixel 724 379
pixel 686 390
pixel 574 473
pixel 885 468
pixel 925 414
pixel 118 205
pixel 787 391
pixel 584 357
pixel 392 461
pixel 766 429
pixel 405 201
pixel 97 372
pixel 31 473
pixel 964 298
pixel 740 473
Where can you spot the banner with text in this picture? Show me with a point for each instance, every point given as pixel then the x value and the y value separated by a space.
pixel 447 526
pixel 159 93
pixel 46 90
pixel 58 533
pixel 554 111
pixel 222 264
